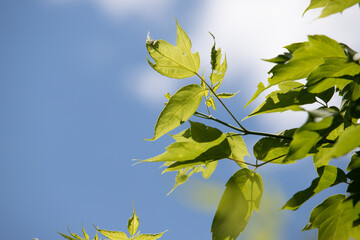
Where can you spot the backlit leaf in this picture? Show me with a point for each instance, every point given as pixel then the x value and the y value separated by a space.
pixel 260 89
pixel 242 195
pixel 149 236
pixel 331 6
pixel 174 61
pixel 354 162
pixel 113 235
pixel 226 95
pixel 133 223
pixel 334 218
pixel 328 176
pixel 238 148
pixel 180 107
pixel 306 58
pixel 273 149
pixel 348 140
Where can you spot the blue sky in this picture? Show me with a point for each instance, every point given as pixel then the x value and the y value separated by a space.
pixel 78 97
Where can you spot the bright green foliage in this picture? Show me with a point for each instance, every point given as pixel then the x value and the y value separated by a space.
pixel 174 61
pixel 133 225
pixel 334 219
pixel 197 149
pixel 274 149
pixel 328 68
pixel 180 107
pixel 331 6
pixel 241 196
pixel 328 176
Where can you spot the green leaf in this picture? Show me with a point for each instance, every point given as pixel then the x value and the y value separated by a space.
pixel 306 57
pixel 354 162
pixel 174 61
pixel 181 106
pixel 238 148
pixel 348 140
pixel 278 101
pixel 206 144
pixel 328 176
pixel 209 169
pixel 113 235
pixel 260 89
pixel 331 6
pixel 269 148
pixel 320 124
pixel 149 236
pixel 226 95
pixel 241 196
pixel 218 70
pixel 66 236
pixel 133 223
pixel 86 236
pixel 334 218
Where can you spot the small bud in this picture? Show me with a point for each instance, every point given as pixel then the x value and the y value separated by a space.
pixel 149 41
pixel 356 57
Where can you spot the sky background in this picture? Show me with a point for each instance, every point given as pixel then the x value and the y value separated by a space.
pixel 78 97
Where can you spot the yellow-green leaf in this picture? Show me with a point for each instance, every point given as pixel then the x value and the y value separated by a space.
pixel 133 223
pixel 331 6
pixel 174 61
pixel 180 107
pixel 149 236
pixel 113 235
pixel 242 195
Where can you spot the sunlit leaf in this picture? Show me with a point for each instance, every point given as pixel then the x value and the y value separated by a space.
pixel 113 235
pixel 273 149
pixel 238 148
pixel 181 106
pixel 241 196
pixel 328 176
pixel 86 236
pixel 66 236
pixel 209 169
pixel 331 6
pixel 149 236
pixel 174 61
pixel 306 58
pixel 278 101
pixel 320 124
pixel 260 89
pixel 133 223
pixel 354 162
pixel 348 140
pixel 226 95
pixel 334 218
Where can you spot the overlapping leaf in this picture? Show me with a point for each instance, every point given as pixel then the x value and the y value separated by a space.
pixel 274 149
pixel 331 6
pixel 348 140
pixel 320 124
pixel 180 107
pixel 242 195
pixel 328 176
pixel 334 219
pixel 197 149
pixel 174 61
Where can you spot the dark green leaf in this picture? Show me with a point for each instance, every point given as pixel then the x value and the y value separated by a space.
pixel 241 196
pixel 328 176
pixel 355 162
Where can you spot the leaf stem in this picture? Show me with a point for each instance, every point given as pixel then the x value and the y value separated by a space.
pixel 247 132
pixel 239 161
pixel 222 103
